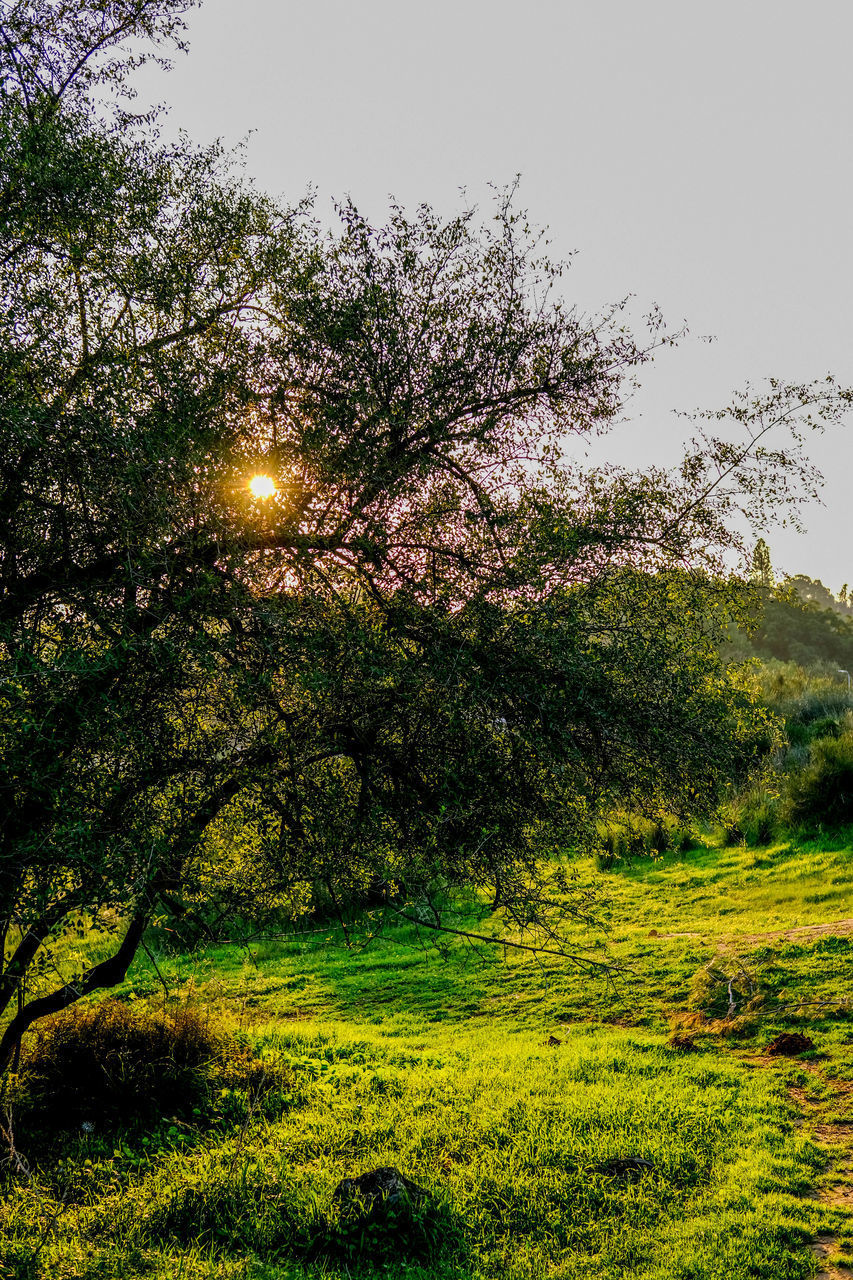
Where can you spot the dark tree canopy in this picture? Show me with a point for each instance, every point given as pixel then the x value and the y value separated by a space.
pixel 434 655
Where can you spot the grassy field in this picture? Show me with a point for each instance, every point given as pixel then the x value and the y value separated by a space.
pixel 438 1062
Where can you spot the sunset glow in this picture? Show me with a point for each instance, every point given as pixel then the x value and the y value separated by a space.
pixel 262 486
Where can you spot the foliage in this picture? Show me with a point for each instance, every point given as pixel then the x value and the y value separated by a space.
pixel 812 704
pixel 437 650
pixel 631 835
pixel 821 794
pixel 753 816
pixel 812 589
pixel 792 629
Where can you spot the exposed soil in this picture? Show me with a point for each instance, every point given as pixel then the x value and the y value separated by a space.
pixel 789 1044
pixel 835 928
pixel 836 1189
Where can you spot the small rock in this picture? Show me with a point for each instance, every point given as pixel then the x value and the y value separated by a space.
pixel 682 1044
pixel 553 1041
pixel 378 1189
pixel 624 1167
pixel 789 1044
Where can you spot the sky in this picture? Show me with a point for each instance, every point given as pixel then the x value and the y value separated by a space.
pixel 695 156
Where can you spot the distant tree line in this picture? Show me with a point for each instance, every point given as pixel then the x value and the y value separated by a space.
pixel 798 618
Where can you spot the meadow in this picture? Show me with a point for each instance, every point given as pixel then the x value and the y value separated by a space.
pixel 503 1086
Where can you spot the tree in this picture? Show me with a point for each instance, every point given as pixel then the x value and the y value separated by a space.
pixel 129 353
pixel 812 591
pixel 439 646
pixel 791 629
pixel 761 572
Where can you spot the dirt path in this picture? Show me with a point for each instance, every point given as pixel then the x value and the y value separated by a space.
pixel 835 928
pixel 836 1189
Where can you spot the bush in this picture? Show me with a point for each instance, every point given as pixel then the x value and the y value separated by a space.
pixel 725 988
pixel 613 847
pixel 628 836
pixel 828 727
pixel 684 839
pixel 113 1065
pixel 822 792
pixel 753 817
pixel 732 829
pixel 759 816
pixel 605 858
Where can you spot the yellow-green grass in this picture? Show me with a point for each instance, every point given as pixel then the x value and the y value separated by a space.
pixel 713 902
pixel 439 1065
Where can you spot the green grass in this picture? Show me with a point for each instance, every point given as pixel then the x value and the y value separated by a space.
pixel 437 1063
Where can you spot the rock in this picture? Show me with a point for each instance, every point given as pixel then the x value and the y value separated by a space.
pixel 553 1042
pixel 624 1167
pixel 682 1044
pixel 789 1044
pixel 378 1190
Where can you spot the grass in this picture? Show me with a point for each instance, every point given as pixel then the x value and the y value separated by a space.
pixel 438 1063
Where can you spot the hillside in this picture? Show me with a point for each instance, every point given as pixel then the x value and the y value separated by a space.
pixel 444 1065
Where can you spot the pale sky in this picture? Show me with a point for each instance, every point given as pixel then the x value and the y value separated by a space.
pixel 695 155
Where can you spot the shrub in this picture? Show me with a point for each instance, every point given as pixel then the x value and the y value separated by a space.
pixel 684 839
pixel 613 847
pixel 604 859
pixel 732 829
pixel 811 707
pixel 759 816
pixel 753 817
pixel 626 836
pixel 114 1065
pixel 725 988
pixel 822 792
pixel 828 727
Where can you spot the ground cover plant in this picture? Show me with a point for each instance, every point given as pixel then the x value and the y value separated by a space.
pixel 502 1088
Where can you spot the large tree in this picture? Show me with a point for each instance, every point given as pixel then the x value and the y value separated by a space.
pixel 438 648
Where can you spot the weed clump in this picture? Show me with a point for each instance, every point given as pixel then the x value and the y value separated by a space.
pixel 627 836
pixel 752 818
pixel 113 1065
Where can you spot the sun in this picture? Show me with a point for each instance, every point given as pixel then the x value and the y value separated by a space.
pixel 262 487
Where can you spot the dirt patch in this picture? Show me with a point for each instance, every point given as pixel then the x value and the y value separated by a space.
pixel 789 1044
pixel 823 1247
pixel 835 929
pixel 836 1189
